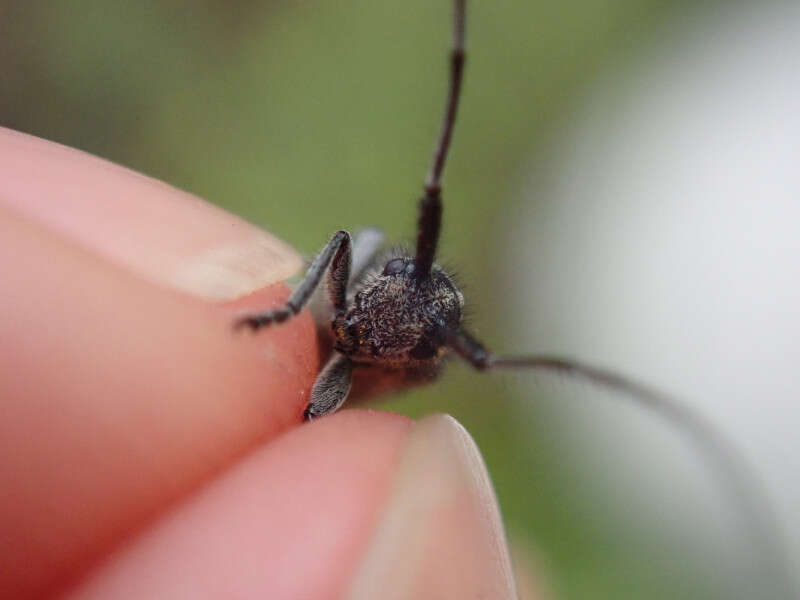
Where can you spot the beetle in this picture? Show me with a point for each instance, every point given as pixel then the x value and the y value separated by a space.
pixel 396 314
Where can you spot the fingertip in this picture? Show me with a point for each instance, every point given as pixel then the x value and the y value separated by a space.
pixel 164 234
pixel 120 396
pixel 288 521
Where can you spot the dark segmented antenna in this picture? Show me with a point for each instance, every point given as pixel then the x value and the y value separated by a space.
pixel 725 461
pixel 430 205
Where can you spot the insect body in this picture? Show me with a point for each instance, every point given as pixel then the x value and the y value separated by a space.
pixel 406 314
pixel 401 313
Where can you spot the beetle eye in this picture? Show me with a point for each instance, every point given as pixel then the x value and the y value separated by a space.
pixel 394 267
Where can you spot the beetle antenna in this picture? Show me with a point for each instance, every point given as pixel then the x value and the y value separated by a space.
pixel 723 457
pixel 430 205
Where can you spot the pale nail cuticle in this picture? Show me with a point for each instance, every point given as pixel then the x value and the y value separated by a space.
pixel 439 533
pixel 232 270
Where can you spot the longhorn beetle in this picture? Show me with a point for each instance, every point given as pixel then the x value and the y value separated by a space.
pixel 397 315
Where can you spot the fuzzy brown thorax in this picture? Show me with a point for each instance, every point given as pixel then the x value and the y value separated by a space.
pixel 396 318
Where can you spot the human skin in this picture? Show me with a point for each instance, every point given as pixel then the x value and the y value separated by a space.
pixel 148 450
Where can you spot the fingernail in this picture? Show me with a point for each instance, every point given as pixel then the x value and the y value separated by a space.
pixel 440 534
pixel 231 270
pixel 159 232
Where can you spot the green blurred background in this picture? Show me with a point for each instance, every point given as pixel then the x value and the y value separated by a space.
pixel 307 117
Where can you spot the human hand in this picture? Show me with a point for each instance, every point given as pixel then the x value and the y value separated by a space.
pixel 148 451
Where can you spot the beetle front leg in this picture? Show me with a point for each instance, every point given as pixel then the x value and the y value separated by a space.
pixel 338 251
pixel 330 388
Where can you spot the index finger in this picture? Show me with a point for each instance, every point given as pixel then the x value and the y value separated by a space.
pixel 122 383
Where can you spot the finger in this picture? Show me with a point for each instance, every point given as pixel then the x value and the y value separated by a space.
pixel 119 395
pixel 357 505
pixel 162 233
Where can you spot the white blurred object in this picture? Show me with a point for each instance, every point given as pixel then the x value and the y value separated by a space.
pixel 661 238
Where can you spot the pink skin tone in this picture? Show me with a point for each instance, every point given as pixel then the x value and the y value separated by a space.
pixel 125 397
